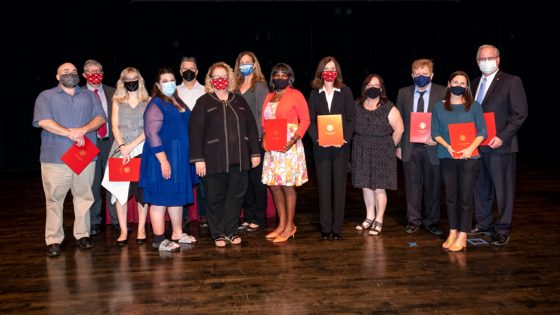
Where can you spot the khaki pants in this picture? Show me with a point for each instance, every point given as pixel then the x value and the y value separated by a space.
pixel 57 180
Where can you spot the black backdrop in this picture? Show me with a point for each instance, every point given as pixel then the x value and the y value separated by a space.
pixel 381 37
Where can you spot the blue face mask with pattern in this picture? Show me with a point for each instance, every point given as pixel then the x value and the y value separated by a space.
pixel 246 69
pixel 168 88
pixel 422 81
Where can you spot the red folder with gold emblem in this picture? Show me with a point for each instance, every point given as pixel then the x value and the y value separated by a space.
pixel 77 158
pixel 330 130
pixel 420 127
pixel 119 172
pixel 276 134
pixel 461 136
pixel 490 127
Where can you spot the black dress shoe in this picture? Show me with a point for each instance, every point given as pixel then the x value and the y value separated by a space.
pixel 500 240
pixel 434 229
pixel 325 236
pixel 479 231
pixel 95 229
pixel 336 236
pixel 411 228
pixel 121 243
pixel 53 250
pixel 84 243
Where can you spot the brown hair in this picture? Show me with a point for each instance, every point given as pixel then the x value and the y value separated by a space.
pixel 468 97
pixel 257 72
pixel 318 83
pixel 382 97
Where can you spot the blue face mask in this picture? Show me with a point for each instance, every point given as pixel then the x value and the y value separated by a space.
pixel 422 81
pixel 168 88
pixel 457 90
pixel 246 69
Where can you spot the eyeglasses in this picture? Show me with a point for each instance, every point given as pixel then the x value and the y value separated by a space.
pixel 487 59
pixel 94 71
pixel 216 77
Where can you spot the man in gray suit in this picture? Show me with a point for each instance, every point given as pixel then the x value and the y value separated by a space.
pixel 93 72
pixel 502 94
pixel 420 161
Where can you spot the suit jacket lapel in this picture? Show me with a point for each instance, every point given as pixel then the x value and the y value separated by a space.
pixel 493 86
pixel 410 100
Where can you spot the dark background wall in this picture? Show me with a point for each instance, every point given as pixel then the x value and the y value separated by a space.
pixel 381 37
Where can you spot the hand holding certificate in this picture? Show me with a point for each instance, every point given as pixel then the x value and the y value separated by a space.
pixel 276 134
pixel 490 127
pixel 461 137
pixel 78 157
pixel 330 130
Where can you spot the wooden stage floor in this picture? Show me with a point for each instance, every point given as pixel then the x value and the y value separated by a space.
pixel 395 273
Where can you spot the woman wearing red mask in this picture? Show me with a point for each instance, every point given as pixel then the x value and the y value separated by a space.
pixel 331 97
pixel 224 146
pixel 284 169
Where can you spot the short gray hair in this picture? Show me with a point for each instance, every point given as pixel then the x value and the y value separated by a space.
pixel 92 62
pixel 487 46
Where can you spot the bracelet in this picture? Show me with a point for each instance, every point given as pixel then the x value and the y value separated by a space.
pixel 121 145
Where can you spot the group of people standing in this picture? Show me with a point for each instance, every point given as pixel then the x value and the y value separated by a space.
pixel 212 136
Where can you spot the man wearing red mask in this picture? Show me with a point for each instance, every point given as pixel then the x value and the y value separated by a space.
pixel 93 72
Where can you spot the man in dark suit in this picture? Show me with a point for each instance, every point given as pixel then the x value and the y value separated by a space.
pixel 420 161
pixel 93 72
pixel 504 95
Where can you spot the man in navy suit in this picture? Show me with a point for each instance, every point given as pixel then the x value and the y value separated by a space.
pixel 504 95
pixel 93 73
pixel 420 160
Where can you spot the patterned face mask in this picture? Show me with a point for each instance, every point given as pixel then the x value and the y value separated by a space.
pixel 95 78
pixel 329 76
pixel 220 84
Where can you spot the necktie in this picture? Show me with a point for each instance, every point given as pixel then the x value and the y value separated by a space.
pixel 102 131
pixel 420 105
pixel 481 91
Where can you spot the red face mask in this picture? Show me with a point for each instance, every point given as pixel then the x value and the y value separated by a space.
pixel 220 84
pixel 329 76
pixel 94 79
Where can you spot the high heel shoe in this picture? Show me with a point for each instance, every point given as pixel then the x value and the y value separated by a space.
pixel 457 246
pixel 272 235
pixel 282 239
pixel 450 240
pixel 140 240
pixel 121 243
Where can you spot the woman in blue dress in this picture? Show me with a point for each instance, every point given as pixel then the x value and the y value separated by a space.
pixel 165 172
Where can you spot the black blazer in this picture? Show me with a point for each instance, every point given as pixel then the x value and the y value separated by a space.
pixel 342 103
pixel 405 104
pixel 506 98
pixel 109 92
pixel 207 133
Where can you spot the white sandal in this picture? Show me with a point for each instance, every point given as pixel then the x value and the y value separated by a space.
pixel 169 246
pixel 186 239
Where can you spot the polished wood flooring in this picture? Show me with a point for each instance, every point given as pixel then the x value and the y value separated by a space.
pixel 395 273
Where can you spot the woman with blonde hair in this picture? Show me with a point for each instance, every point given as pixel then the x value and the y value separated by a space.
pixel 129 103
pixel 224 146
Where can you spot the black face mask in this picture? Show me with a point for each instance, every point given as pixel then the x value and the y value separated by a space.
pixel 131 86
pixel 69 80
pixel 457 90
pixel 373 92
pixel 280 84
pixel 189 75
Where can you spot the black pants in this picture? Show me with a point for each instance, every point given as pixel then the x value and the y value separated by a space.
pixel 331 165
pixel 421 177
pixel 496 177
pixel 458 179
pixel 96 211
pixel 224 196
pixel 254 206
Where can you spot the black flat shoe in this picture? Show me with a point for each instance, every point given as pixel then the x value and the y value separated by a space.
pixel 336 236
pixel 121 243
pixel 140 240
pixel 325 236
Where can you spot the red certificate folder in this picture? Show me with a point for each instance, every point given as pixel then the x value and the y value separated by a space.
pixel 77 158
pixel 490 127
pixel 461 136
pixel 130 172
pixel 276 134
pixel 420 127
pixel 330 130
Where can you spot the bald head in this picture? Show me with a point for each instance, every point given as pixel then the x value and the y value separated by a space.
pixel 66 68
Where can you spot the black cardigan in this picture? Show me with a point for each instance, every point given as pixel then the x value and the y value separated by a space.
pixel 207 133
